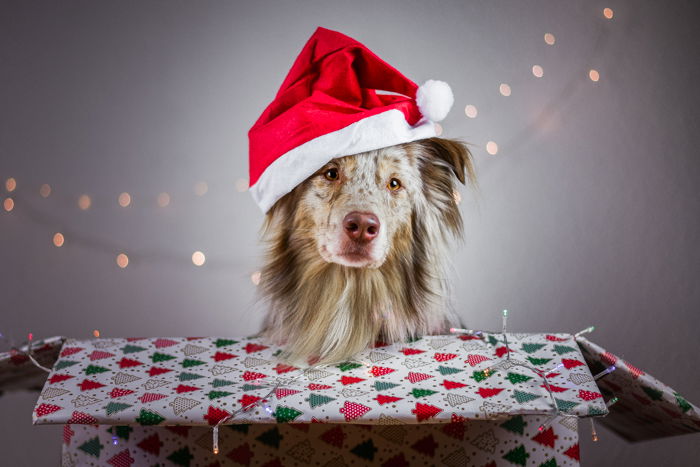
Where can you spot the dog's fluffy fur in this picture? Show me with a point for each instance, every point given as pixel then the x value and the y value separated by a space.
pixel 328 298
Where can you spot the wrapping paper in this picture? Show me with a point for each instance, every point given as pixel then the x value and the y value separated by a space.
pixel 17 372
pixel 646 407
pixel 200 381
pixel 515 441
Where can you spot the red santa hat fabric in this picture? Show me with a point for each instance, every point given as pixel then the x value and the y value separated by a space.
pixel 329 106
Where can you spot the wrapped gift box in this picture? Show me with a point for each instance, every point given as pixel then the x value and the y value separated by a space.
pixel 646 407
pixel 495 399
pixel 18 372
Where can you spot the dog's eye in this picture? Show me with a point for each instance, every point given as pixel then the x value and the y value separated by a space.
pixel 394 184
pixel 331 174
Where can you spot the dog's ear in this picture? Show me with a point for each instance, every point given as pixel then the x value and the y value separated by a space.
pixel 455 154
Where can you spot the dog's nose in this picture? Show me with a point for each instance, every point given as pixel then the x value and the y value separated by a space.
pixel 361 227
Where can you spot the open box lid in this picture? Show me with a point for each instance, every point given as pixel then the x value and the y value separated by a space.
pixel 646 407
pixel 18 372
pixel 200 381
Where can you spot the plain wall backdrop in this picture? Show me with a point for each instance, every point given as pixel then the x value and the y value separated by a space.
pixel 588 214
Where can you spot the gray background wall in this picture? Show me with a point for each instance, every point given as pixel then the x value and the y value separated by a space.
pixel 588 214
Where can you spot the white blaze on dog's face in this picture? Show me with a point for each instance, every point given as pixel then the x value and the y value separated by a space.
pixel 359 202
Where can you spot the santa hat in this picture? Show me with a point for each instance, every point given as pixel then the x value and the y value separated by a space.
pixel 330 105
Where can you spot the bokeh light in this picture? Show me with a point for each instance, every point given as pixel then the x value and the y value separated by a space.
pixel 608 13
pixel 241 185
pixel 163 199
pixel 8 204
pixel 549 38
pixel 122 260
pixel 96 333
pixel 457 196
pixel 504 89
pixel 471 111
pixel 10 184
pixel 492 148
pixel 58 239
pixel 124 199
pixel 198 258
pixel 594 75
pixel 45 190
pixel 537 71
pixel 255 277
pixel 201 188
pixel 84 202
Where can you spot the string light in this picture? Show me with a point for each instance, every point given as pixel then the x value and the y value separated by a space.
pixel 10 184
pixel 504 89
pixel 163 199
pixel 588 330
pixel 471 111
pixel 124 199
pixel 58 239
pixel 594 75
pixel 594 434
pixel 198 258
pixel 122 260
pixel 201 188
pixel 608 13
pixel 45 190
pixel 255 277
pixel 8 204
pixel 537 71
pixel 605 372
pixel 84 202
pixel 549 38
pixel 492 148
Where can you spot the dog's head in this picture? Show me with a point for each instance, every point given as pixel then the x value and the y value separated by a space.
pixel 359 210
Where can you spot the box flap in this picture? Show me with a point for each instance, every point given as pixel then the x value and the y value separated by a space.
pixel 17 372
pixel 200 381
pixel 646 407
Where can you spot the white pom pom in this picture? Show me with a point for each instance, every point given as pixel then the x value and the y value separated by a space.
pixel 434 99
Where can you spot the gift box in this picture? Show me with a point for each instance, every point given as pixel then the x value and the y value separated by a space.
pixel 645 408
pixel 18 372
pixel 487 399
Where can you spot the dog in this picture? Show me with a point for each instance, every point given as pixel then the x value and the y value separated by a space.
pixel 356 253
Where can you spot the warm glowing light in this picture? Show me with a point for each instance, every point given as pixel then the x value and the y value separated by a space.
pixel 96 333
pixel 241 185
pixel 124 199
pixel 537 71
pixel 198 258
pixel 45 190
pixel 457 196
pixel 30 336
pixel 549 38
pixel 8 204
pixel 608 13
pixel 594 75
pixel 84 202
pixel 504 89
pixel 491 148
pixel 201 188
pixel 58 239
pixel 10 184
pixel 255 277
pixel 470 111
pixel 122 260
pixel 163 199
pixel 438 129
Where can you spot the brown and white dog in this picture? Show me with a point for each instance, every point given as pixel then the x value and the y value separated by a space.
pixel 356 253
